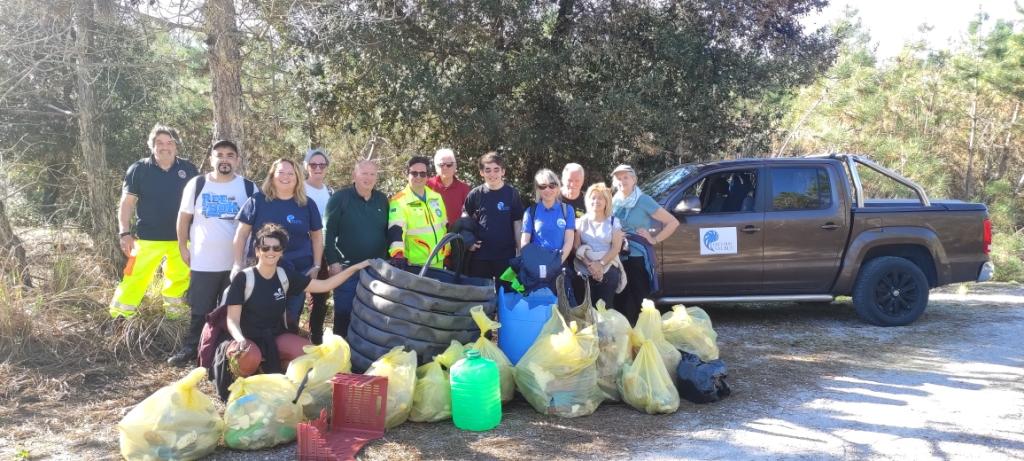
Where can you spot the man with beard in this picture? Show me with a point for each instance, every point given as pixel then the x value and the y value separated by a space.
pixel 206 219
pixel 151 194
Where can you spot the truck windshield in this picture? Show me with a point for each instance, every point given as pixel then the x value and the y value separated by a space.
pixel 665 182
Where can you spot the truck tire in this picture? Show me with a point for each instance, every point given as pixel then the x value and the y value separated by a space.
pixel 890 291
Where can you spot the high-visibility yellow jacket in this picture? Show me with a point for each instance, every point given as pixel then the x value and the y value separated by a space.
pixel 415 226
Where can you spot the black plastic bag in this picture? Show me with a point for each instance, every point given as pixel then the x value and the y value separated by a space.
pixel 702 382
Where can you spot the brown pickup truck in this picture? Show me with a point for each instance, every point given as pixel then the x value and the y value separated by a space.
pixel 801 229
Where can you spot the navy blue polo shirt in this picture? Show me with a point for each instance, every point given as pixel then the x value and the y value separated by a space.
pixel 298 220
pixel 495 212
pixel 548 227
pixel 159 196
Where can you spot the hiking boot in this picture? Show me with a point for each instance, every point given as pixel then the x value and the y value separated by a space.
pixel 183 358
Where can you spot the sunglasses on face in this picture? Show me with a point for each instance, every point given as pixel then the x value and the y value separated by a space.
pixel 547 186
pixel 446 165
pixel 268 248
pixel 317 166
pixel 421 174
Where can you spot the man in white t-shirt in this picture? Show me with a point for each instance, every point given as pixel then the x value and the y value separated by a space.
pixel 316 163
pixel 206 228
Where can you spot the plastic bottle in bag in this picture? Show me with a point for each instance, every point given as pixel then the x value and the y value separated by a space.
pixel 176 422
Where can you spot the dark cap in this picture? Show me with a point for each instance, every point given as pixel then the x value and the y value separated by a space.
pixel 222 143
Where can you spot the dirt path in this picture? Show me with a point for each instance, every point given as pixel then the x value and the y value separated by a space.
pixel 809 381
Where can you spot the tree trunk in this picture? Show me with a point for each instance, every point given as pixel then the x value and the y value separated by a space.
pixel 222 50
pixel 12 252
pixel 101 200
pixel 970 144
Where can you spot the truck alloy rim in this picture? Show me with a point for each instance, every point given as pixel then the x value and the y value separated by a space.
pixel 896 293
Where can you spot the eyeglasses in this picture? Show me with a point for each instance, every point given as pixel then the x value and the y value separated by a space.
pixel 317 166
pixel 547 186
pixel 421 174
pixel 446 165
pixel 274 248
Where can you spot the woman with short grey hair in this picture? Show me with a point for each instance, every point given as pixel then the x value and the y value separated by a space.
pixel 549 224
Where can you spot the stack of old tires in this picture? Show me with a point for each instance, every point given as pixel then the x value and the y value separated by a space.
pixel 424 313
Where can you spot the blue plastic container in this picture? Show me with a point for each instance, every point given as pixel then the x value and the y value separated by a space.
pixel 521 320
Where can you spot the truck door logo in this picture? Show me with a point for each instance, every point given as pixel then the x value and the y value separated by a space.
pixel 718 241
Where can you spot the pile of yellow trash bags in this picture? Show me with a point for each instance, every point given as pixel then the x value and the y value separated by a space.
pixel 180 422
pixel 582 357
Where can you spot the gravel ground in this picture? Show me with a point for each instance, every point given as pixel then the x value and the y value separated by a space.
pixel 810 381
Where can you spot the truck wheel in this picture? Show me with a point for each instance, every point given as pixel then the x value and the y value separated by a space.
pixel 890 291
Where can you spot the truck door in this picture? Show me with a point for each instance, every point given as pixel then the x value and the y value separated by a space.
pixel 806 223
pixel 717 249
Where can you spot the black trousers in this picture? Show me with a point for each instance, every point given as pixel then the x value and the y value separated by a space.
pixel 489 269
pixel 318 309
pixel 603 290
pixel 204 293
pixel 637 288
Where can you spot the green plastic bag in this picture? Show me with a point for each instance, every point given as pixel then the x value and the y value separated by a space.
pixel 260 412
pixel 615 351
pixel 558 374
pixel 331 357
pixel 432 399
pixel 689 329
pixel 646 385
pixel 400 369
pixel 176 422
pixel 489 350
pixel 648 326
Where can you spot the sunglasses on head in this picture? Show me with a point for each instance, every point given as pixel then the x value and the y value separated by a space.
pixel 274 248
pixel 422 174
pixel 547 186
pixel 317 166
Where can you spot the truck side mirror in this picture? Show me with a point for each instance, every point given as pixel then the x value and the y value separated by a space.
pixel 689 205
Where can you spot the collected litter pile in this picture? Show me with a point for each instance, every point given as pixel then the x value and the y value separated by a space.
pixel 581 357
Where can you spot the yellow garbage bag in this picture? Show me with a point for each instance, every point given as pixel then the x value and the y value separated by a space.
pixel 432 398
pixel 331 357
pixel 615 351
pixel 648 326
pixel 489 350
pixel 646 385
pixel 176 422
pixel 558 374
pixel 689 329
pixel 260 412
pixel 400 369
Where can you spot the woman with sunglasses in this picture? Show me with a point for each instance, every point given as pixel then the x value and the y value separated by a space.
pixel 549 223
pixel 282 200
pixel 255 320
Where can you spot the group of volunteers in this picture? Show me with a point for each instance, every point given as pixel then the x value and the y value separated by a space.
pixel 292 239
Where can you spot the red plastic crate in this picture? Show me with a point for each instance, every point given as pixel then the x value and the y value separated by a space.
pixel 360 406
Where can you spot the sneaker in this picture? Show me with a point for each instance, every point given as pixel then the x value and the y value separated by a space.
pixel 183 358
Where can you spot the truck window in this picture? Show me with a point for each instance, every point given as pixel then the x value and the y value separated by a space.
pixel 800 188
pixel 726 192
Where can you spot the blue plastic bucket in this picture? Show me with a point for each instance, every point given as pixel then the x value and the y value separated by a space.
pixel 521 320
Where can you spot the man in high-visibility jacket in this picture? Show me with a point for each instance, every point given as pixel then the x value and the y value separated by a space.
pixel 152 194
pixel 417 219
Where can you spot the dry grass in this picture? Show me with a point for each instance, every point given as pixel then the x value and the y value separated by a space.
pixel 68 371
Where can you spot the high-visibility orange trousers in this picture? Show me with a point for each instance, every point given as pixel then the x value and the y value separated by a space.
pixel 147 256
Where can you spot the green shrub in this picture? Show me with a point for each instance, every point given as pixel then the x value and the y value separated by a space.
pixel 1008 256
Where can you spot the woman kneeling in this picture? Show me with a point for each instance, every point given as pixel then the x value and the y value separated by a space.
pixel 257 305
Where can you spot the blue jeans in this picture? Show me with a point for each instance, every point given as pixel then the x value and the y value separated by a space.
pixel 344 296
pixel 295 303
